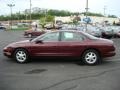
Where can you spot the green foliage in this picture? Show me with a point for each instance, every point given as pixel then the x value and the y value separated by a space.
pixel 50 14
pixel 20 28
pixel 47 18
pixel 4 18
pixel 93 14
pixel 42 22
pixel 75 22
pixel 112 16
pixel 59 13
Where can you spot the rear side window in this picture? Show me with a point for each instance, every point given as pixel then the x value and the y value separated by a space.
pixel 71 36
pixel 68 35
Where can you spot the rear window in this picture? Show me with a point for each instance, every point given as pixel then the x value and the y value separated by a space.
pixel 90 36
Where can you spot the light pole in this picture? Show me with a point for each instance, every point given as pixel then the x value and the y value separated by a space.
pixel 26 16
pixel 104 11
pixel 104 14
pixel 45 14
pixel 86 12
pixel 11 6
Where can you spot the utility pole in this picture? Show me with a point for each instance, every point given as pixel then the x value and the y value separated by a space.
pixel 11 6
pixel 104 9
pixel 86 12
pixel 30 11
pixel 19 16
pixel 45 14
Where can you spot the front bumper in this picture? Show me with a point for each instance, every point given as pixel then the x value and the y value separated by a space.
pixel 8 52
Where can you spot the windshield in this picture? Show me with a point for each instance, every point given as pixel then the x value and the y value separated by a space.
pixel 32 40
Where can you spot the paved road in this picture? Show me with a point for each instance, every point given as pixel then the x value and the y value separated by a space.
pixel 56 74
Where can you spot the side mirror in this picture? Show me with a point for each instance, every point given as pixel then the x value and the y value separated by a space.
pixel 38 41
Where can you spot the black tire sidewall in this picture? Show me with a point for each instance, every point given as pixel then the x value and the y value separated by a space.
pixel 27 56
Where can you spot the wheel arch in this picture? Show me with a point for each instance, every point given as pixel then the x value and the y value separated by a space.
pixel 99 60
pixel 19 48
pixel 92 49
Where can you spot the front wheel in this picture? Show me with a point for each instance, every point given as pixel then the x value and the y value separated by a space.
pixel 30 35
pixel 91 57
pixel 21 56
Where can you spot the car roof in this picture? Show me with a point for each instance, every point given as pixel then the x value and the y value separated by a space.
pixel 66 31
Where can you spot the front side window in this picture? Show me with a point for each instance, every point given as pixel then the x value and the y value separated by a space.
pixel 50 37
pixel 71 36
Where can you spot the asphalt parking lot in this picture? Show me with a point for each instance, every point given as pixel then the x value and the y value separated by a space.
pixel 56 74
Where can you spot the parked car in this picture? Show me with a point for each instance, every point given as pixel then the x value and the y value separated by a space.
pixel 116 30
pixel 33 33
pixel 63 43
pixel 107 32
pixel 117 35
pixel 52 26
pixel 72 27
pixel 93 30
pixel 80 28
pixel 48 26
pixel 2 28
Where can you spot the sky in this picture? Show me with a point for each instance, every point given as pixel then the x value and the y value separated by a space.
pixel 97 6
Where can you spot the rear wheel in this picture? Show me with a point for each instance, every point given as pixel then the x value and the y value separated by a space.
pixel 91 57
pixel 21 56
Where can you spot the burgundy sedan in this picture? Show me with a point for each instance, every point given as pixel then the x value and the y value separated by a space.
pixel 33 33
pixel 90 49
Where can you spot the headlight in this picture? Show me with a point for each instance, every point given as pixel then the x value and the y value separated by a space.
pixel 8 49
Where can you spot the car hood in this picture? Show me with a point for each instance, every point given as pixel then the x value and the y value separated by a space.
pixel 19 44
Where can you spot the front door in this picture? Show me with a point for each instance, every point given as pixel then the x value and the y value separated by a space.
pixel 47 46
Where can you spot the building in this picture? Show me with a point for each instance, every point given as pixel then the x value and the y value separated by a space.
pixel 94 19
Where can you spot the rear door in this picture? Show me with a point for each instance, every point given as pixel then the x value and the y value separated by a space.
pixel 71 44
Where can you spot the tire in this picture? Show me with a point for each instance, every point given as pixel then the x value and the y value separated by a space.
pixel 91 57
pixel 109 37
pixel 21 56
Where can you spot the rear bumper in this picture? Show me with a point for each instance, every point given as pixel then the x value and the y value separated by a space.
pixel 109 54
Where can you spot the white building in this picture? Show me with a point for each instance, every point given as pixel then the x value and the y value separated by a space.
pixel 94 19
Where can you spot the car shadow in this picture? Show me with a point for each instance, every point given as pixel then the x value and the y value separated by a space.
pixel 59 60
pixel 54 60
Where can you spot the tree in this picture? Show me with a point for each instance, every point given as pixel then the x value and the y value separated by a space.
pixel 93 14
pixel 49 18
pixel 42 22
pixel 76 20
pixel 112 16
pixel 45 20
pixel 59 13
